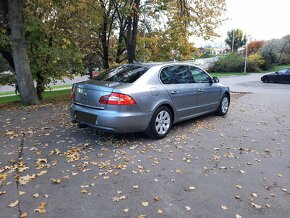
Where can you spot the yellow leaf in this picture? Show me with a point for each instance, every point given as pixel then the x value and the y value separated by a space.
pixel 159 211
pixel 84 191
pixel 23 215
pixel 178 171
pixel 13 204
pixel 21 193
pixel 145 203
pixel 41 208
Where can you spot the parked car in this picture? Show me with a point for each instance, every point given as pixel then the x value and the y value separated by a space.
pixel 147 97
pixel 281 76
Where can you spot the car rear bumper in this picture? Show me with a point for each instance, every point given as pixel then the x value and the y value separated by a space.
pixel 108 120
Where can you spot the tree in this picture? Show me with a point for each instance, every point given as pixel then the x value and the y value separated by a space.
pixel 283 45
pixel 255 46
pixel 12 11
pixel 235 39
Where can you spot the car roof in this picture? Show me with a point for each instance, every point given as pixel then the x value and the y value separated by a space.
pixel 152 64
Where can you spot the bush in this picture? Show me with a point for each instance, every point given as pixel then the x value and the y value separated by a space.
pixel 228 63
pixel 255 61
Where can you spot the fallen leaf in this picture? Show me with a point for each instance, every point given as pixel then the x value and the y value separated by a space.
pixel 157 198
pixel 191 188
pixel 21 193
pixel 84 191
pixel 145 203
pixel 126 210
pixel 256 205
pixel 23 215
pixel 13 204
pixel 56 181
pixel 135 186
pixel 238 186
pixel 255 195
pixel 280 175
pixel 238 216
pixel 36 195
pixel 159 211
pixel 284 189
pixel 41 208
pixel 268 205
pixel 237 197
pixel 178 171
pixel 188 208
pixel 224 207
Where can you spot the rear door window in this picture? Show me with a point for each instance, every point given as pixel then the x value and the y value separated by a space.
pixel 176 75
pixel 124 73
pixel 199 75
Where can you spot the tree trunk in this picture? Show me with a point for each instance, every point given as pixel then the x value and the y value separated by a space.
pixel 19 53
pixel 132 30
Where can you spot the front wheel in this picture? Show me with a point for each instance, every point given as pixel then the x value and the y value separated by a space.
pixel 160 123
pixel 224 106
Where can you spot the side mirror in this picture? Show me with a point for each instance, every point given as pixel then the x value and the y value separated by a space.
pixel 215 79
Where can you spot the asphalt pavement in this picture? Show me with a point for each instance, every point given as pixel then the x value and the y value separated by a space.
pixel 232 166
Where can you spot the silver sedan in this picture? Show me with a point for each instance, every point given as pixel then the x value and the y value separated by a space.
pixel 147 98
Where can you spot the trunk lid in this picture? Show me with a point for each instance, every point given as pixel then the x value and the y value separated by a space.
pixel 88 93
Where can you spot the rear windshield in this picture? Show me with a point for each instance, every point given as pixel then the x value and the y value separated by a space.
pixel 124 73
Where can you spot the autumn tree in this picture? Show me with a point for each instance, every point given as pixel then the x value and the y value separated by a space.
pixel 235 39
pixel 255 46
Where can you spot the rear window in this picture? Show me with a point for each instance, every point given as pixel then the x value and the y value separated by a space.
pixel 124 73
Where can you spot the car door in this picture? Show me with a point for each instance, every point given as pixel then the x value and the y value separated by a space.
pixel 208 92
pixel 287 76
pixel 284 77
pixel 280 76
pixel 178 81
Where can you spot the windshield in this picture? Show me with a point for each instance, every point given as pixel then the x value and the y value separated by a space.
pixel 124 73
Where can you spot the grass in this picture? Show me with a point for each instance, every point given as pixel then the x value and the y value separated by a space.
pixel 48 96
pixel 222 74
pixel 48 89
pixel 277 68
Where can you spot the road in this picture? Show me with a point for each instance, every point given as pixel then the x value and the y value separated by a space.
pixel 232 166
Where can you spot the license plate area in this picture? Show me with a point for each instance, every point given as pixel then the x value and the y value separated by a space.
pixel 85 117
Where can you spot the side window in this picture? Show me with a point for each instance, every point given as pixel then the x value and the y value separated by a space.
pixel 199 75
pixel 176 75
pixel 282 72
pixel 288 71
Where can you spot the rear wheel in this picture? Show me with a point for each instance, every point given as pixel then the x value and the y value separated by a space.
pixel 224 106
pixel 160 123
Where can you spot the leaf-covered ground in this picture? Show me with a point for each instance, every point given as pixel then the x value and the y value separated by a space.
pixel 233 166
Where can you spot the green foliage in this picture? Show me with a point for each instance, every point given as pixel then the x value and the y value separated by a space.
pixel 52 49
pixel 235 39
pixel 228 63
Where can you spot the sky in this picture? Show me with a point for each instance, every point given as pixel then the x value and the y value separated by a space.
pixel 261 19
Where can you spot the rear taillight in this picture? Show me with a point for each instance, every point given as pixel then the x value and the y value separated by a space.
pixel 72 93
pixel 117 99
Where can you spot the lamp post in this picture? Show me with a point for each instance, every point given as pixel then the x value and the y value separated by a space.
pixel 233 40
pixel 246 56
pixel 144 33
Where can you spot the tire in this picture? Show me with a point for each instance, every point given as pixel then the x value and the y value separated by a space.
pixel 160 124
pixel 224 106
pixel 266 80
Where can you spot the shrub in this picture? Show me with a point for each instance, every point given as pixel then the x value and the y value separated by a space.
pixel 255 61
pixel 228 63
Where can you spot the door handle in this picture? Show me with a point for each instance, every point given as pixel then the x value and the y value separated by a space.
pixel 174 92
pixel 200 90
